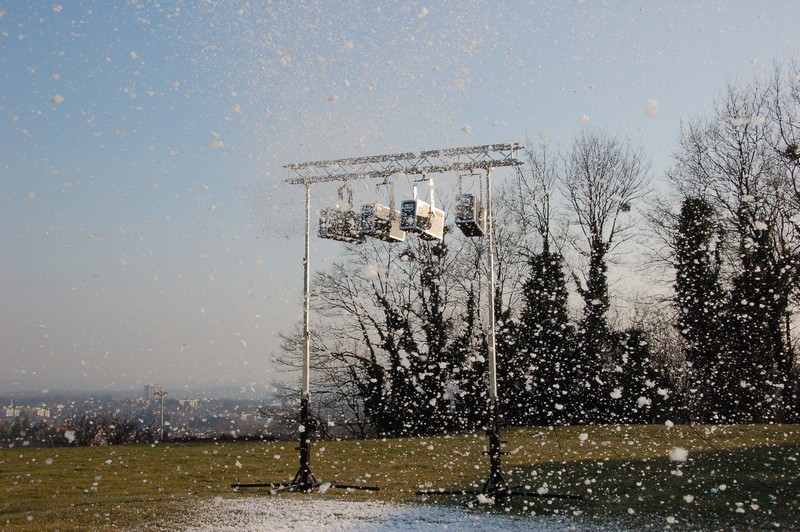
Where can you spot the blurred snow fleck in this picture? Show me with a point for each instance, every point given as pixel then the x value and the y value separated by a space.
pixel 348 45
pixel 466 128
pixel 678 454
pixel 483 499
pixel 238 464
pixel 583 436
pixel 617 393
pixel 57 98
pixel 643 401
pixel 651 109
pixel 31 195
pixel 423 12
pixel 217 144
pixel 70 435
pixel 584 118
pixel 56 8
pixel 761 226
pixel 134 55
pixel 688 498
pixel 370 272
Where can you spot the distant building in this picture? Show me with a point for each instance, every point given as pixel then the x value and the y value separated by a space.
pixel 150 390
pixel 31 412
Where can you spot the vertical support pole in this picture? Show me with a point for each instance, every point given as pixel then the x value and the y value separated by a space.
pixel 495 484
pixel 305 475
pixel 161 439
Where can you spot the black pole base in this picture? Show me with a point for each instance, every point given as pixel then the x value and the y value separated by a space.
pixel 495 488
pixel 277 487
pixel 304 480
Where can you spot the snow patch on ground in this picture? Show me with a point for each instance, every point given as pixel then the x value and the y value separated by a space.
pixel 298 514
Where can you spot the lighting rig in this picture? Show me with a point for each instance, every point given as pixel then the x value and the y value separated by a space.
pixel 418 216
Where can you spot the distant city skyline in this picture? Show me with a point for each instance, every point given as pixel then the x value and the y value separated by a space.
pixel 148 234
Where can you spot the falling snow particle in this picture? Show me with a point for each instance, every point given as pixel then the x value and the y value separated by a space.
pixel 57 98
pixel 467 128
pixel 651 109
pixel 678 454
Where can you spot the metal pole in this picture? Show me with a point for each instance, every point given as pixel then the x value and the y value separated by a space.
pixel 305 476
pixel 492 344
pixel 307 289
pixel 495 484
pixel 162 417
pixel 160 393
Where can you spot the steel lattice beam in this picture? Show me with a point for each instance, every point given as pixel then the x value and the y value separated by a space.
pixel 424 162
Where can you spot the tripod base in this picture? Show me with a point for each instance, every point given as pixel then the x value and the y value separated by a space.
pixel 304 480
pixel 496 488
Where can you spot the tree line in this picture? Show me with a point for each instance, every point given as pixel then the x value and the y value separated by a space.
pixel 399 341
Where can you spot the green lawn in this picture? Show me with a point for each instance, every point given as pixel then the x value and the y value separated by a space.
pixel 726 476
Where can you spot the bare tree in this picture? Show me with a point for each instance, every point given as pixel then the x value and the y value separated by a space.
pixel 603 176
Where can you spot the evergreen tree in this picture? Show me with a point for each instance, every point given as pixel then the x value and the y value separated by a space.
pixel 544 344
pixel 758 304
pixel 594 339
pixel 639 391
pixel 699 301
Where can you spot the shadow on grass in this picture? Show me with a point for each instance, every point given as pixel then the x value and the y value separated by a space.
pixel 751 488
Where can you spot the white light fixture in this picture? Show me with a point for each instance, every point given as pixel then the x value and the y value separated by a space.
pixel 422 218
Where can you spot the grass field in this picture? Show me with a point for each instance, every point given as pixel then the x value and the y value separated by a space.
pixel 744 476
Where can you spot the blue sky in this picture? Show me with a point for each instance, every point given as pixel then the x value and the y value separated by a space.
pixel 147 232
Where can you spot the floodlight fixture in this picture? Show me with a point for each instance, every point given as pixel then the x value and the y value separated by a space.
pixel 382 221
pixel 420 217
pixel 341 222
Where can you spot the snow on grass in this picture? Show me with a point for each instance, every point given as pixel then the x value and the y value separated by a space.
pixel 276 513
